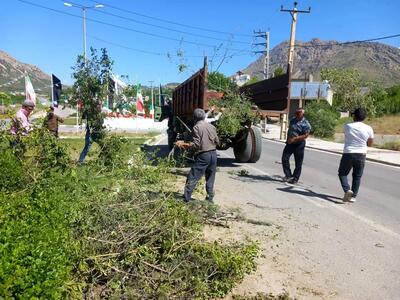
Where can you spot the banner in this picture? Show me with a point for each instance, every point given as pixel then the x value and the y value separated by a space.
pixel 56 88
pixel 29 91
pixel 111 92
pixel 162 100
pixel 139 100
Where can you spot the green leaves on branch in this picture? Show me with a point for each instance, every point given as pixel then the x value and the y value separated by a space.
pixel 237 111
pixel 323 119
pixel 92 78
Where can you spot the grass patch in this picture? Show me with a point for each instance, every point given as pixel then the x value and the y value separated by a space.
pixel 389 124
pixel 389 146
pixel 69 121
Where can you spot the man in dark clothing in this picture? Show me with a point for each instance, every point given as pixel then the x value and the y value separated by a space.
pixel 52 120
pixel 298 131
pixel 205 141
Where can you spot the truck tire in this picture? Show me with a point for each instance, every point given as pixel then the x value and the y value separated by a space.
pixel 256 140
pixel 243 149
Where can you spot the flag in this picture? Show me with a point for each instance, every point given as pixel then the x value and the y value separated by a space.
pixel 162 100
pixel 56 90
pixel 111 92
pixel 29 91
pixel 139 100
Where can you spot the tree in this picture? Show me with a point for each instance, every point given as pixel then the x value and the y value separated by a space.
pixel 323 119
pixel 253 79
pixel 219 82
pixel 278 71
pixel 346 85
pixel 5 99
pixel 91 87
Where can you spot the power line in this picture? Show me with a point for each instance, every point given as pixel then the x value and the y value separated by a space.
pixel 127 28
pixel 170 22
pixel 167 54
pixel 168 28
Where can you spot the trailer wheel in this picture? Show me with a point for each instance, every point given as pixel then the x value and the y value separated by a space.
pixel 256 140
pixel 243 149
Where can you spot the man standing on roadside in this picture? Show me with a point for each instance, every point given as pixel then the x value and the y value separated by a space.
pixel 51 121
pixel 357 136
pixel 205 141
pixel 298 131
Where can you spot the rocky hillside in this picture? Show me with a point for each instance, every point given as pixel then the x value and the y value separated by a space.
pixel 375 61
pixel 11 69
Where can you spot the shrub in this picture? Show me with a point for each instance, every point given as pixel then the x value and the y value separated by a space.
pixel 322 118
pixel 96 232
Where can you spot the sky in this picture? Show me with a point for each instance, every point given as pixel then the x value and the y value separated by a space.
pixel 171 33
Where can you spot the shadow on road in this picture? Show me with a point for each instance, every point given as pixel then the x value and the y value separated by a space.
pixel 227 162
pixel 310 193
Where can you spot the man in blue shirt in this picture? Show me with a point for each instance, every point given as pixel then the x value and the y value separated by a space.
pixel 298 131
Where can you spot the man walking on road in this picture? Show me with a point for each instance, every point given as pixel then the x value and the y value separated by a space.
pixel 298 131
pixel 357 136
pixel 205 141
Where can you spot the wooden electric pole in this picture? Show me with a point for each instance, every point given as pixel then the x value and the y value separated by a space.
pixel 293 12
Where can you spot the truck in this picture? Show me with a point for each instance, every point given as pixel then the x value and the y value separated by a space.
pixel 193 93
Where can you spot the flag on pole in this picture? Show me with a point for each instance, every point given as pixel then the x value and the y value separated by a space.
pixel 111 92
pixel 139 100
pixel 56 88
pixel 162 100
pixel 29 91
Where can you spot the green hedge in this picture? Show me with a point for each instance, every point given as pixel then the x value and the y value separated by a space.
pixel 322 118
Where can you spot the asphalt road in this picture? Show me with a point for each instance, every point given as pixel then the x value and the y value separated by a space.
pixel 325 248
pixel 379 196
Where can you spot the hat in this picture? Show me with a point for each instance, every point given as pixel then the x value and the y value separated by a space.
pixel 28 103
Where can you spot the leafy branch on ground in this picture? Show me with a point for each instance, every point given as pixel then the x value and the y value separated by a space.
pixel 113 228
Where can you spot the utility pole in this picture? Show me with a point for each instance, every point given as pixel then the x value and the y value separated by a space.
pixel 261 34
pixel 293 12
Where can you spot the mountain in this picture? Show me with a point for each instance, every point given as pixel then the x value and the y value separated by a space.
pixel 12 69
pixel 375 61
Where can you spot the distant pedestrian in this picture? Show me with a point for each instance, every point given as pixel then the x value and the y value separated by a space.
pixel 51 121
pixel 357 136
pixel 21 123
pixel 298 131
pixel 205 141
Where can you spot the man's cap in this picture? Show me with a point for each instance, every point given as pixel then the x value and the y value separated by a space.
pixel 29 103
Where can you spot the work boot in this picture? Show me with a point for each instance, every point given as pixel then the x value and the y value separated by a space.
pixel 210 198
pixel 286 179
pixel 348 196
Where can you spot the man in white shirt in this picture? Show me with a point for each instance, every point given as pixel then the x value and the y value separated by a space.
pixel 357 136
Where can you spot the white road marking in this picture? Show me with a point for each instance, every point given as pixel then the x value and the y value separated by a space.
pixel 312 201
pixel 365 220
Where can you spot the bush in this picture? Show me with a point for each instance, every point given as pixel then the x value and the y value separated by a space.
pixel 104 232
pixel 322 118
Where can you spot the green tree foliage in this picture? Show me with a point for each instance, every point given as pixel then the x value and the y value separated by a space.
pixel 237 112
pixel 252 80
pixel 130 90
pixel 220 83
pixel 5 99
pixel 323 119
pixel 346 85
pixel 278 71
pixel 387 100
pixel 91 87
